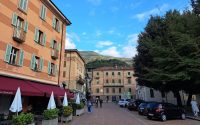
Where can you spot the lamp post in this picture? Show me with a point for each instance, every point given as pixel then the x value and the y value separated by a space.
pixel 164 83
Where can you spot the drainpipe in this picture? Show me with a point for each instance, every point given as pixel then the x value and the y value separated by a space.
pixel 60 55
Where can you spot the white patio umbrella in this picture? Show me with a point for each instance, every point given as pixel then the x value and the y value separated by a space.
pixel 65 101
pixel 51 104
pixel 77 99
pixel 16 105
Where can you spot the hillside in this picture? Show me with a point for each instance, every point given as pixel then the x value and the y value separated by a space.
pixel 91 56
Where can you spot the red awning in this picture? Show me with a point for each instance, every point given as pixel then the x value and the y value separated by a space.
pixel 9 86
pixel 47 89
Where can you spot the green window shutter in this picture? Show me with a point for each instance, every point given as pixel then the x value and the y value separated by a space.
pixel 41 64
pixel 56 70
pixel 36 37
pixel 8 52
pixel 26 26
pixel 41 12
pixel 25 5
pixel 21 58
pixel 44 39
pixel 33 61
pixel 44 12
pixel 54 22
pixel 52 42
pixel 49 67
pixel 58 46
pixel 21 4
pixel 14 19
pixel 59 26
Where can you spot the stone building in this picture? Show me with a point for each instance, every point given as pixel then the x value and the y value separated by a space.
pixel 113 83
pixel 73 74
pixel 32 45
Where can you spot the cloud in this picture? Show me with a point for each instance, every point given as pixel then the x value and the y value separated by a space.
pixel 146 14
pixel 95 2
pixel 132 39
pixel 101 44
pixel 114 9
pixel 111 51
pixel 69 44
pixel 74 36
pixel 84 33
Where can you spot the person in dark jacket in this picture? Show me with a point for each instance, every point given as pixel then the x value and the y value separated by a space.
pixel 101 101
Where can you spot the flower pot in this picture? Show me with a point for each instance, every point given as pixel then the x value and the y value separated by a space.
pixel 50 122
pixel 66 119
pixel 79 112
pixel 31 124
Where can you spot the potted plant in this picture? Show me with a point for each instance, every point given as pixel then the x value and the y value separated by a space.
pixel 23 119
pixel 79 109
pixel 67 114
pixel 50 117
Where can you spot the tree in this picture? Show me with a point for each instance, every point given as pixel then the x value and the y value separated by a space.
pixel 169 52
pixel 196 6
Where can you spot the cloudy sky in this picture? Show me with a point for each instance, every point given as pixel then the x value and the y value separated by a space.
pixel 111 27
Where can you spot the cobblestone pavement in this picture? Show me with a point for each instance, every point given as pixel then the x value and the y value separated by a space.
pixel 111 114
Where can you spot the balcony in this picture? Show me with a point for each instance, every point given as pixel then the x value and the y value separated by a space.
pixel 113 85
pixel 80 80
pixel 54 54
pixel 128 76
pixel 19 35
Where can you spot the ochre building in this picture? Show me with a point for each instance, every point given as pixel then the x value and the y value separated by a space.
pixel 73 74
pixel 32 45
pixel 113 83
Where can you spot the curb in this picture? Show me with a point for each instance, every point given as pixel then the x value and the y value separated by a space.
pixel 193 118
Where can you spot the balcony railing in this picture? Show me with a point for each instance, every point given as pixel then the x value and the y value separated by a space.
pixel 113 85
pixel 128 76
pixel 19 35
pixel 54 54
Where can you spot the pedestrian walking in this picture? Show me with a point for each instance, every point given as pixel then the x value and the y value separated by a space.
pixel 195 108
pixel 101 102
pixel 97 102
pixel 89 105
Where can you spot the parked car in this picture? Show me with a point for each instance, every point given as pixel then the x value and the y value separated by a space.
pixel 164 111
pixel 142 108
pixel 123 102
pixel 134 105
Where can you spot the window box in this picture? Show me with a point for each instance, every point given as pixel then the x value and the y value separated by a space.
pixel 19 35
pixel 54 54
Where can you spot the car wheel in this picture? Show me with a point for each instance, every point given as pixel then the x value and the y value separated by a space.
pixel 149 117
pixel 163 117
pixel 183 116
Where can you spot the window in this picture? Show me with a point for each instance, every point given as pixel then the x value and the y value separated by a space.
pixel 120 90
pixel 97 81
pixel 129 73
pixel 113 81
pixel 129 81
pixel 55 45
pixel 129 89
pixel 52 69
pixel 20 28
pixel 113 90
pixel 106 73
pixel 106 80
pixel 151 93
pixel 65 63
pixel 107 90
pixel 119 81
pixel 40 37
pixel 97 73
pixel 163 94
pixel 56 24
pixel 113 73
pixel 119 73
pixel 36 63
pixel 97 90
pixel 23 5
pixel 64 74
pixel 43 12
pixel 14 56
